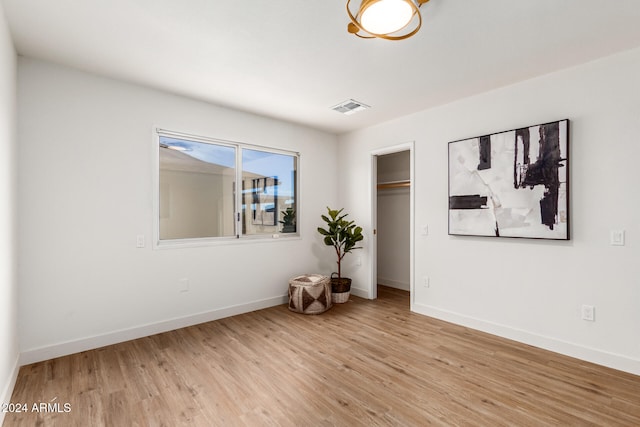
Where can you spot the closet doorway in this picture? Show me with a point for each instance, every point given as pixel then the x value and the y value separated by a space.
pixel 392 211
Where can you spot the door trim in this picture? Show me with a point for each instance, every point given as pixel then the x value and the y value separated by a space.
pixel 373 274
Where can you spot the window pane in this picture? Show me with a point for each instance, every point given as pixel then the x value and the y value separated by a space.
pixel 269 196
pixel 197 182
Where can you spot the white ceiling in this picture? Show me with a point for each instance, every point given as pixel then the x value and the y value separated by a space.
pixel 293 59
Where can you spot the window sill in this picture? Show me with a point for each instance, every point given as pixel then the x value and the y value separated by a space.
pixel 222 241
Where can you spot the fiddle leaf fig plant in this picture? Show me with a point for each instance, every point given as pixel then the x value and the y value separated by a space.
pixel 340 233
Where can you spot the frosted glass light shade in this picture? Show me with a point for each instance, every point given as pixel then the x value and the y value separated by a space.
pixel 386 16
pixel 384 19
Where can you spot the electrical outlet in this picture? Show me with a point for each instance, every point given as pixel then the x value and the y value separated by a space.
pixel 425 281
pixel 589 313
pixel 140 241
pixel 183 285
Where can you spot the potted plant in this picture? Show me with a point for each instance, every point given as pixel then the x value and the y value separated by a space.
pixel 288 220
pixel 343 235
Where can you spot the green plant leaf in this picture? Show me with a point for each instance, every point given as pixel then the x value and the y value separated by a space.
pixel 340 233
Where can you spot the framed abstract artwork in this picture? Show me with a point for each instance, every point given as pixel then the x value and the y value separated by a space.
pixel 264 199
pixel 511 184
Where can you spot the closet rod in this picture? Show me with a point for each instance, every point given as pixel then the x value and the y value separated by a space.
pixel 394 184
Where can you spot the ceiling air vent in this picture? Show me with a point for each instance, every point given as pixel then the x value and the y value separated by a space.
pixel 350 106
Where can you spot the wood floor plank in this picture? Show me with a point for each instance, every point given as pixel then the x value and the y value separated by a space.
pixel 362 363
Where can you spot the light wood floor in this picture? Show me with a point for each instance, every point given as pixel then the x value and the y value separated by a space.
pixel 363 363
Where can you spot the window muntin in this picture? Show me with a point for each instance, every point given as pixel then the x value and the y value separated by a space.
pixel 197 198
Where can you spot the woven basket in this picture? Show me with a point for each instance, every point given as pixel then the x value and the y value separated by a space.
pixel 340 289
pixel 310 294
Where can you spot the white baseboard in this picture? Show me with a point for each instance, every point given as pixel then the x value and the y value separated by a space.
pixel 599 357
pixel 362 293
pixel 5 396
pixel 405 286
pixel 611 360
pixel 90 343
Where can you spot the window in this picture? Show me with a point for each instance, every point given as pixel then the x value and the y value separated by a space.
pixel 210 189
pixel 268 192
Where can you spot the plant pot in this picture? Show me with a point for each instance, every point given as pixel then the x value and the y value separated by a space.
pixel 289 228
pixel 340 289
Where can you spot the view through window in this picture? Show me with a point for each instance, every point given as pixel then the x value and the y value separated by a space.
pixel 216 189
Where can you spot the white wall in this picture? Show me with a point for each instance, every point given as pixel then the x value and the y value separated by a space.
pixel 9 350
pixel 85 192
pixel 523 289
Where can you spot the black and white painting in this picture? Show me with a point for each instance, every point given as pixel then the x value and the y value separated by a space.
pixel 511 184
pixel 264 199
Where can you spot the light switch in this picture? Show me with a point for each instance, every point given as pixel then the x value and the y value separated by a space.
pixel 617 237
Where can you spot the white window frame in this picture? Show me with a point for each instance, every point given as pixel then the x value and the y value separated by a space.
pixel 213 241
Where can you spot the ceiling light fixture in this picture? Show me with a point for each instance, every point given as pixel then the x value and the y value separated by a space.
pixel 385 19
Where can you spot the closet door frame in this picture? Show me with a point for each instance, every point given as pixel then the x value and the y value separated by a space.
pixel 373 274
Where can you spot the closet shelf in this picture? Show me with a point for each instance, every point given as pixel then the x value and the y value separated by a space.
pixel 394 184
